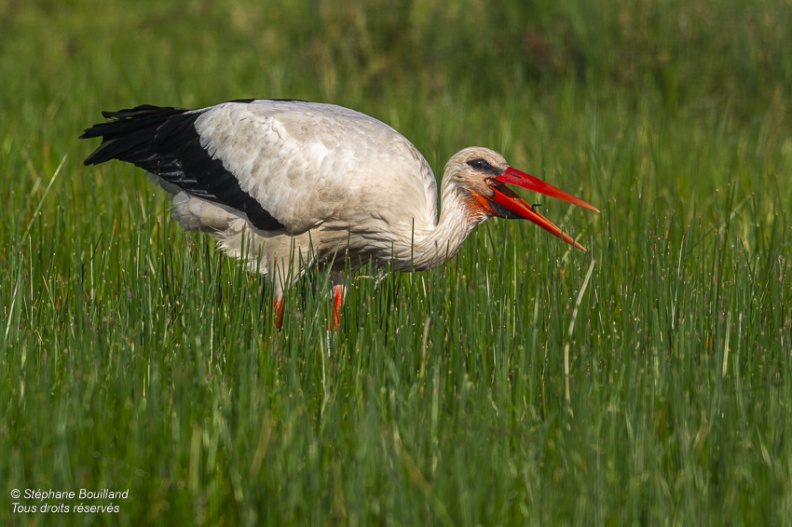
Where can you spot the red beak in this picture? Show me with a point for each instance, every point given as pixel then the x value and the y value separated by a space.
pixel 517 206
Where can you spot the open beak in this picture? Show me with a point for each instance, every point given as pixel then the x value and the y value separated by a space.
pixel 519 208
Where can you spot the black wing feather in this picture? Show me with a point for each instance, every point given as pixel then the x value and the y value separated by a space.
pixel 165 142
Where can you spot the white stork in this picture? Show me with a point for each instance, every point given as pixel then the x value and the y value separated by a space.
pixel 285 185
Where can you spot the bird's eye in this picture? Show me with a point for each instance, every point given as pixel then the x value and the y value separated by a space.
pixel 479 164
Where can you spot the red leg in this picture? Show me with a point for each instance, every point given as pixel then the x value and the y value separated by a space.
pixel 338 299
pixel 278 307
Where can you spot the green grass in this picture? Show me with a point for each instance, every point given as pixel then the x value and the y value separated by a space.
pixel 524 382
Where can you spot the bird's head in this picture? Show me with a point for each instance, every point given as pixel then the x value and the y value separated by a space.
pixel 482 175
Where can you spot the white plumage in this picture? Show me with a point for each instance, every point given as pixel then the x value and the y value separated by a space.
pixel 297 183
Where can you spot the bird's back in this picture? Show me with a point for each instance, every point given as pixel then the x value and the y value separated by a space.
pixel 309 163
pixel 288 165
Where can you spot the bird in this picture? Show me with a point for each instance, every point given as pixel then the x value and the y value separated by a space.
pixel 290 185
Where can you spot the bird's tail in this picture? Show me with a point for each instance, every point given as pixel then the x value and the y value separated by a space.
pixel 132 134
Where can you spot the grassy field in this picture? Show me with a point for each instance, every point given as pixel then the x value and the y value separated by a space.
pixel 525 382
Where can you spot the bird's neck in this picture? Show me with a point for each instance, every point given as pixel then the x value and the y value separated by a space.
pixel 434 247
